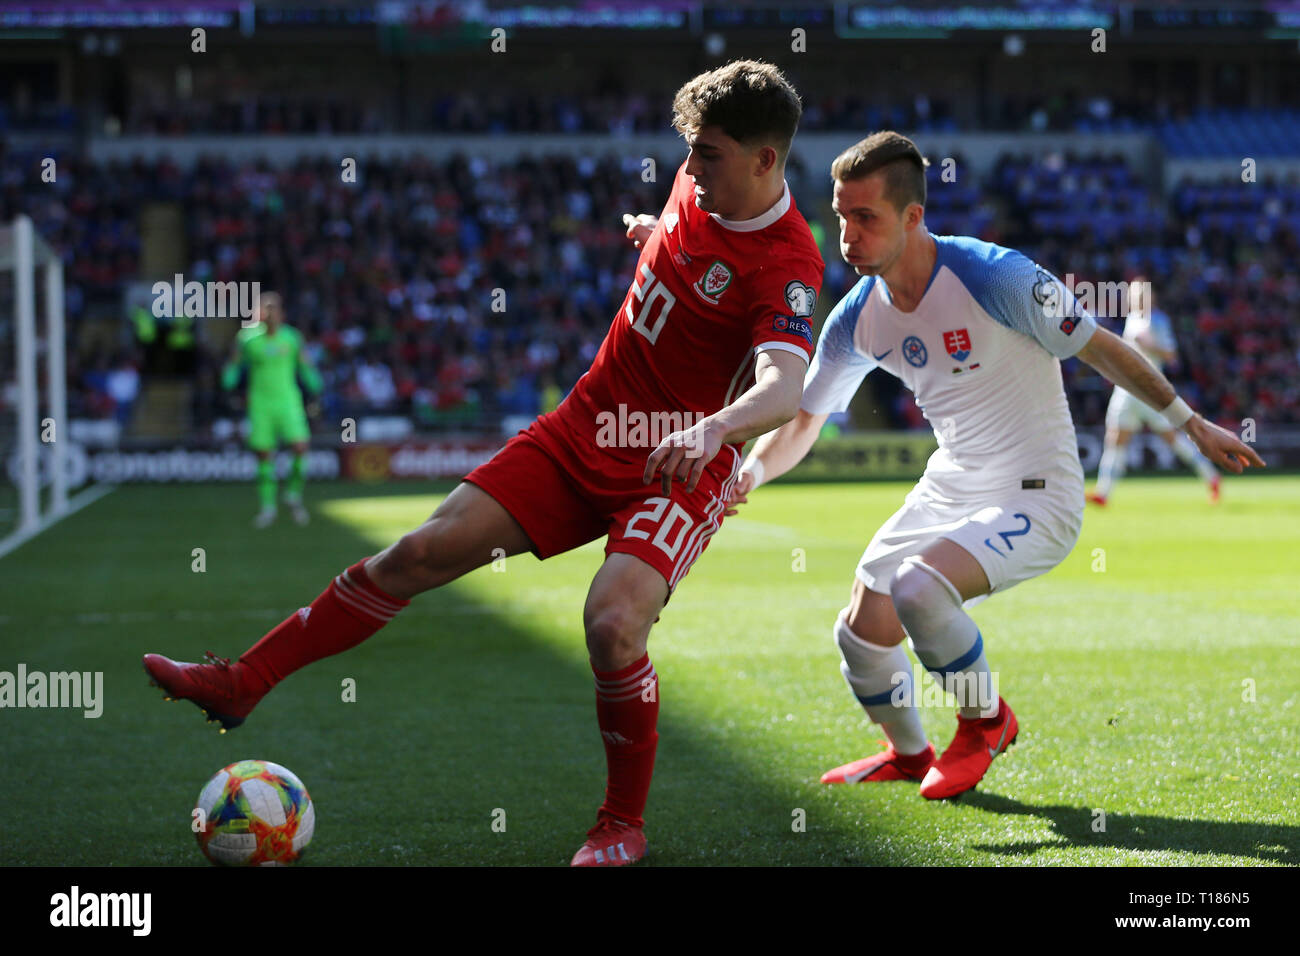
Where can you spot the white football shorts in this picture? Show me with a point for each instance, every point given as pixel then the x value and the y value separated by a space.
pixel 1014 538
pixel 1129 413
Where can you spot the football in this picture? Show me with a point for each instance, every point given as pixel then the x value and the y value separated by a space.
pixel 254 813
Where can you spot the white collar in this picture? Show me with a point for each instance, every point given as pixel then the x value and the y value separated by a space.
pixel 761 221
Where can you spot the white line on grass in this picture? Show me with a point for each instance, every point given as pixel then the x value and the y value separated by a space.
pixel 75 504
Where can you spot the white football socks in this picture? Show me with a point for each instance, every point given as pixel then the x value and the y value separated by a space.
pixel 1192 458
pixel 1111 469
pixel 881 679
pixel 946 639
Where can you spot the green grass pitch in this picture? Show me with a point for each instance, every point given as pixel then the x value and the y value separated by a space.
pixel 1162 691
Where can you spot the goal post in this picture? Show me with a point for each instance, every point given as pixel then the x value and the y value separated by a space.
pixel 24 254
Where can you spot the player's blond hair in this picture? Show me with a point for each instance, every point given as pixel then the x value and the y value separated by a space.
pixel 749 100
pixel 893 154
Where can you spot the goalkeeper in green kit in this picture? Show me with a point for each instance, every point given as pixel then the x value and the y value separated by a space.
pixel 272 353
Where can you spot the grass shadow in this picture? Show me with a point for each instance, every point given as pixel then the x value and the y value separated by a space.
pixel 471 739
pixel 1074 826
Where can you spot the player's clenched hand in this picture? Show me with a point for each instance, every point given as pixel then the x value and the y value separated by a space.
pixel 739 492
pixel 639 227
pixel 1222 447
pixel 682 456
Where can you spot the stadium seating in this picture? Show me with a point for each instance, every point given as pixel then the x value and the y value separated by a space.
pixel 392 280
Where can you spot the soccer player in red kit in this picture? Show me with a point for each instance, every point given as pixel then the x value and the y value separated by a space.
pixel 709 349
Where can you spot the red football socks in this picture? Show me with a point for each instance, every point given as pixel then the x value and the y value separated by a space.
pixel 627 709
pixel 352 608
pixel 345 614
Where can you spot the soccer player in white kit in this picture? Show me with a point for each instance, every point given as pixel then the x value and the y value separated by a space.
pixel 1149 331
pixel 976 331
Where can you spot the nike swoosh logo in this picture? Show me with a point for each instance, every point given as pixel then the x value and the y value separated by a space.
pixel 882 354
pixel 993 753
pixel 864 774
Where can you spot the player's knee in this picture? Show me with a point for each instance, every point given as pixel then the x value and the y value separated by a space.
pixel 916 587
pixel 844 640
pixel 423 556
pixel 615 636
pixel 845 633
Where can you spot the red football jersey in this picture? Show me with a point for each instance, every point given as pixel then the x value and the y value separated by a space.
pixel 708 294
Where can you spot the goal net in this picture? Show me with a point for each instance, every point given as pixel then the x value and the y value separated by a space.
pixel 33 405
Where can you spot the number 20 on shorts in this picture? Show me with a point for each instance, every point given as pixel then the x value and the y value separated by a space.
pixel 655 515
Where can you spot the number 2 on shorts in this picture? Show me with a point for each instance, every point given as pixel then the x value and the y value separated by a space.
pixel 1006 536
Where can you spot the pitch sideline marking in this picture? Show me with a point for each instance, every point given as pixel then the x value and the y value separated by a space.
pixel 75 504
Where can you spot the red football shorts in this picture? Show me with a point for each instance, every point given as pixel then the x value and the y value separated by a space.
pixel 563 506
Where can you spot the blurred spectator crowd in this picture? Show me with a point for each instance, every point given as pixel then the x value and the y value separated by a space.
pixel 1217 255
pixel 463 291
pixel 1183 129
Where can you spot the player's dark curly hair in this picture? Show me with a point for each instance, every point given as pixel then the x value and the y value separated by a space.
pixel 897 156
pixel 751 101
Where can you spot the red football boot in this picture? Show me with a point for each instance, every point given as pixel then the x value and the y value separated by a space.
pixel 886 765
pixel 1215 482
pixel 225 692
pixel 611 843
pixel 971 752
pixel 1093 498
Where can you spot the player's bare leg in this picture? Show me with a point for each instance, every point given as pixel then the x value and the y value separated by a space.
pixel 294 483
pixel 1182 447
pixel 928 591
pixel 871 616
pixel 265 490
pixel 870 637
pixel 460 536
pixel 1111 469
pixel 623 603
pixel 959 566
pixel 624 600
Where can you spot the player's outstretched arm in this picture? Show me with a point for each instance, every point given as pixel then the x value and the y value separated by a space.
pixel 1112 357
pixel 771 402
pixel 310 375
pixel 233 368
pixel 776 453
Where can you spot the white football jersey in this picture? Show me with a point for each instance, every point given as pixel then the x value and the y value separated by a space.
pixel 1160 327
pixel 981 354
